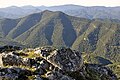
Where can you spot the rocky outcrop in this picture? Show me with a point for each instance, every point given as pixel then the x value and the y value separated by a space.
pixel 8 48
pixel 93 72
pixel 14 73
pixel 66 59
pixel 11 59
pixel 96 72
pixel 48 63
pixel 54 75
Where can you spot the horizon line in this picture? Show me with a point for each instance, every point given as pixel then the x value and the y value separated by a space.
pixel 56 5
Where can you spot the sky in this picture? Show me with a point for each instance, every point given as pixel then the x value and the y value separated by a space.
pixel 108 3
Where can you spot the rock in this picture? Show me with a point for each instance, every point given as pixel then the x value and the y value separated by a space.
pixel 11 59
pixel 66 59
pixel 38 59
pixel 1 62
pixel 99 72
pixel 40 71
pixel 44 64
pixel 38 78
pixel 57 76
pixel 43 67
pixel 93 72
pixel 44 51
pixel 26 62
pixel 14 73
pixel 51 64
pixel 20 53
pixel 9 48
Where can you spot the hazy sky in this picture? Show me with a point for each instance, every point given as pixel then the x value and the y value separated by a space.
pixel 5 3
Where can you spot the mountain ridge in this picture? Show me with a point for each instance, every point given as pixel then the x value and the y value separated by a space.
pixel 56 28
pixel 74 10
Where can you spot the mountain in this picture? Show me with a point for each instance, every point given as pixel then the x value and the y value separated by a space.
pixel 14 12
pixel 74 10
pixel 97 36
pixel 89 12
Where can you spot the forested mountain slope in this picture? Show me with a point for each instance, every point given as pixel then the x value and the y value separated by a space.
pixel 99 36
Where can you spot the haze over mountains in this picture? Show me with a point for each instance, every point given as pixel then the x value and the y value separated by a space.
pixel 74 10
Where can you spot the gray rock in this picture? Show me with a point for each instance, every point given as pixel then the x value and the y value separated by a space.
pixel 11 59
pixel 8 48
pixel 40 71
pixel 93 72
pixel 97 72
pixel 44 64
pixel 38 78
pixel 63 64
pixel 14 73
pixel 57 76
pixel 66 59
pixel 44 51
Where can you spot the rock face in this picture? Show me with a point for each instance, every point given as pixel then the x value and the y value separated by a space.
pixel 66 59
pixel 47 63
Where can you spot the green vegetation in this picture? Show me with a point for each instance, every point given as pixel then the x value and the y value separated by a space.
pixel 97 36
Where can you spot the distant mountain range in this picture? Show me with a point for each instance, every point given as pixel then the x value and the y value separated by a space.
pixel 99 36
pixel 15 12
pixel 74 10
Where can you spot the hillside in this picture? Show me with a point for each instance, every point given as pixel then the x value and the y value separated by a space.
pixel 94 38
